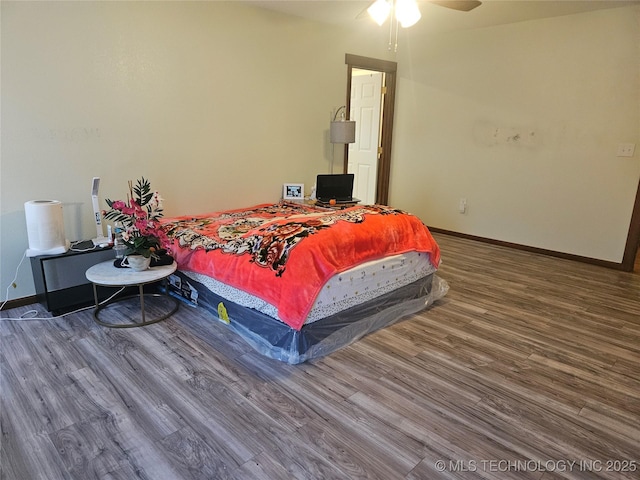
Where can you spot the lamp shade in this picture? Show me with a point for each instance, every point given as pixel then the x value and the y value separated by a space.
pixel 342 131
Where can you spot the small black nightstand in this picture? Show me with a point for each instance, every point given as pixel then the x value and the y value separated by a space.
pixel 60 281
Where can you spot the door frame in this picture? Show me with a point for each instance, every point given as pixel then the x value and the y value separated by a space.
pixel 633 238
pixel 384 162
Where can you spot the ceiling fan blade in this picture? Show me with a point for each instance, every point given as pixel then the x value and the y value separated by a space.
pixel 462 5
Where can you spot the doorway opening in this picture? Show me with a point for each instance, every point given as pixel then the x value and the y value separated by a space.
pixel 387 70
pixel 367 96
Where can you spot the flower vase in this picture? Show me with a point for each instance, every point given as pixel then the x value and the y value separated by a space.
pixel 137 263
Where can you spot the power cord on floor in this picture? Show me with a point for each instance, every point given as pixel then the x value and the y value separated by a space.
pixel 23 317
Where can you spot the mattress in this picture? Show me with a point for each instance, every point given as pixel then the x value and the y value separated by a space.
pixel 298 282
pixel 342 291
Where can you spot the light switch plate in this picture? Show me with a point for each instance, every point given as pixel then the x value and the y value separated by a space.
pixel 626 149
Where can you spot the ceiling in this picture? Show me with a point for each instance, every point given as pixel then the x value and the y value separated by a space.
pixel 438 19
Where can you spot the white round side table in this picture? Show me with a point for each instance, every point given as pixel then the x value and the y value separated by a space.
pixel 105 274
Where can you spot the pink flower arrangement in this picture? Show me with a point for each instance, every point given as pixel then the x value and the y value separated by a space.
pixel 139 216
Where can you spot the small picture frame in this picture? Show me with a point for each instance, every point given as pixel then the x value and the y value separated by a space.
pixel 293 191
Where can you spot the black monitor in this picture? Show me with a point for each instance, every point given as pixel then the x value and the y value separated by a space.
pixel 337 187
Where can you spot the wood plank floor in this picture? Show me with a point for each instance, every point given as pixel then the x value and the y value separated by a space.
pixel 528 368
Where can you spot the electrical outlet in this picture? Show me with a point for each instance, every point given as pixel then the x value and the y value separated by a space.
pixel 462 206
pixel 626 149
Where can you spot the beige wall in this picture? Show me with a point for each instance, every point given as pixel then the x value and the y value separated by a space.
pixel 524 121
pixel 219 103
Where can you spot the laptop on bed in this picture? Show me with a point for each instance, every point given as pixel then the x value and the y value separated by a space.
pixel 338 187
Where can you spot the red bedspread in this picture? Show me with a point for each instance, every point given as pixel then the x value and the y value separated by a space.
pixel 285 253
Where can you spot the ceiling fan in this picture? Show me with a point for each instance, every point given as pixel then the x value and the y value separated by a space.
pixel 407 12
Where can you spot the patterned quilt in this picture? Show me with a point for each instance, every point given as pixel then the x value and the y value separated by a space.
pixel 284 253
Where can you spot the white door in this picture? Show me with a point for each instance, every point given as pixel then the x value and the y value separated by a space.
pixel 366 101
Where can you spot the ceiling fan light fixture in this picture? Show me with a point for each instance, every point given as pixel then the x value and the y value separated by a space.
pixel 407 12
pixel 379 11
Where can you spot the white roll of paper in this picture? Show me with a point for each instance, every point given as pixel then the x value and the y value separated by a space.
pixel 45 228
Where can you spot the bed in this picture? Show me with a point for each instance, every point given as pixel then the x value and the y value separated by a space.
pixel 298 281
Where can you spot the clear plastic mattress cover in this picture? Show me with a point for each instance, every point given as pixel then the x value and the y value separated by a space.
pixel 276 340
pixel 385 313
